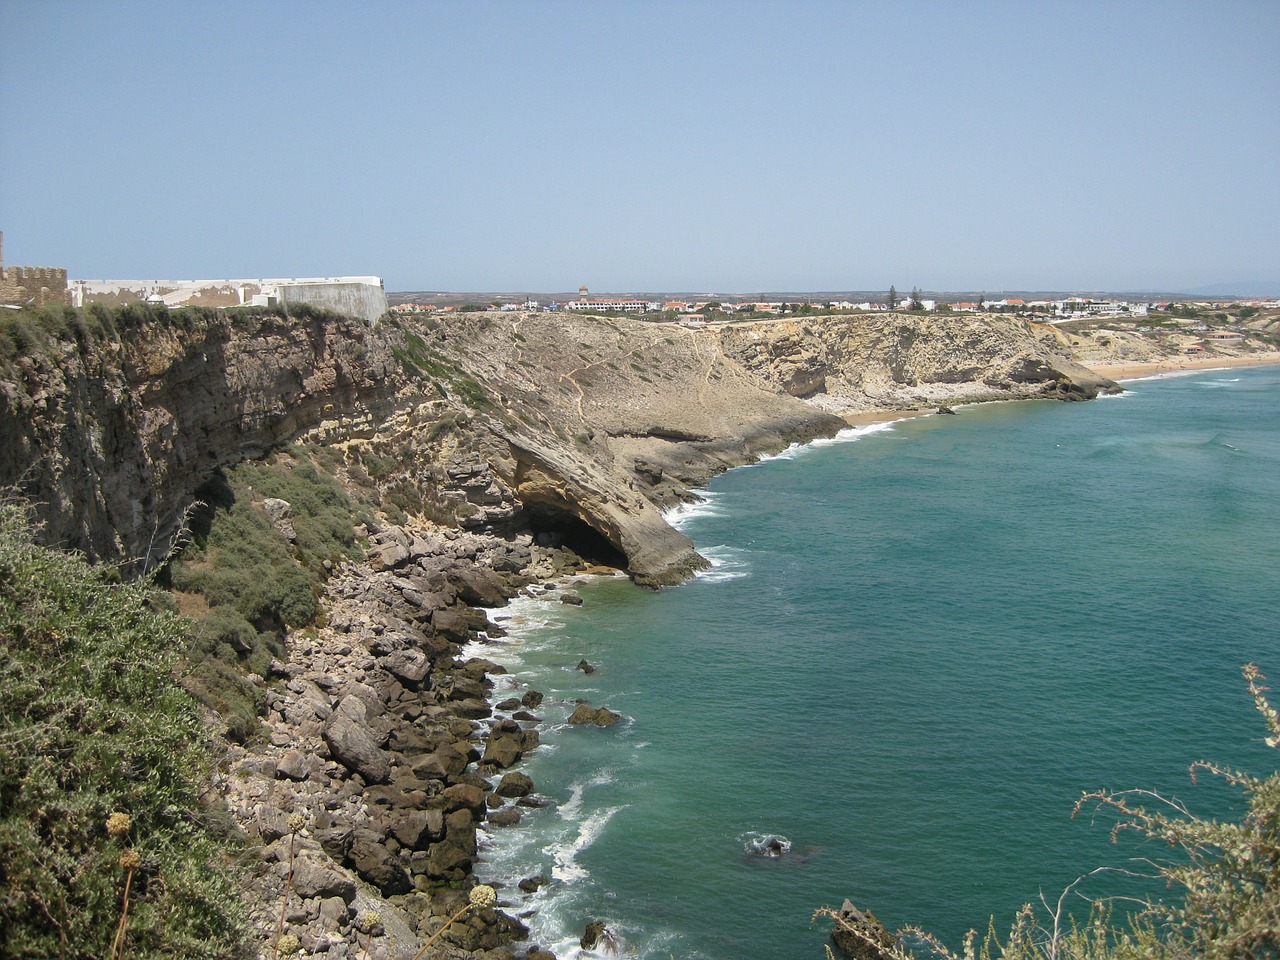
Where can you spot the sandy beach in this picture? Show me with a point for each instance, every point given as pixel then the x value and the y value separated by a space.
pixel 1135 371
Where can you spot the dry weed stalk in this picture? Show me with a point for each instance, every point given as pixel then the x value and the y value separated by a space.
pixel 481 896
pixel 296 822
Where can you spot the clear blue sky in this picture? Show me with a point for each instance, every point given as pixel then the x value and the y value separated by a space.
pixel 697 145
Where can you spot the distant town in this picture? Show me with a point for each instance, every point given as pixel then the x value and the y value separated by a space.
pixel 715 308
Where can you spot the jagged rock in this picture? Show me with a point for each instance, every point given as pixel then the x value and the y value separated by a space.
pixel 532 699
pixel 472 709
pixel 416 828
pixel 505 745
pixel 532 884
pixel 570 598
pixel 597 934
pixel 860 935
pixel 353 744
pixel 280 513
pixel 443 764
pixel 464 796
pixel 464 688
pixel 388 556
pixel 585 667
pixel 408 666
pixel 511 703
pixel 454 853
pixel 294 765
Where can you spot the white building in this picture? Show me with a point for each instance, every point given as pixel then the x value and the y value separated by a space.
pixel 362 297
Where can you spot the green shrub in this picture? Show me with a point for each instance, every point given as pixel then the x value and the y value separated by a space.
pixel 92 722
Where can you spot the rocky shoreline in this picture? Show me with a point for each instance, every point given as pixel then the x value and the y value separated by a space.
pixel 381 736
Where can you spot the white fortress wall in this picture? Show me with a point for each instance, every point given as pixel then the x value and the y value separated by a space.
pixel 362 297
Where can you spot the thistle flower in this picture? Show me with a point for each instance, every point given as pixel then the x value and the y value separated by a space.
pixel 118 824
pixel 288 945
pixel 130 859
pixel 483 896
pixel 296 822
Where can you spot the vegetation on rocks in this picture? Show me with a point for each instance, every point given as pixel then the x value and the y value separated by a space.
pixel 252 580
pixel 102 757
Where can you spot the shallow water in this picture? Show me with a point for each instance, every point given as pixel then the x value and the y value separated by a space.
pixel 916 648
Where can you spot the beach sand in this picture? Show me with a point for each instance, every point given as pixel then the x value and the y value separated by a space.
pixel 1135 371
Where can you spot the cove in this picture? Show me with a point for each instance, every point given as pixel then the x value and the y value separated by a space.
pixel 915 651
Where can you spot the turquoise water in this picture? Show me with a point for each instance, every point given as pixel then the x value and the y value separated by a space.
pixel 918 646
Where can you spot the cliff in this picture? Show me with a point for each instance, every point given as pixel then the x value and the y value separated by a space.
pixel 568 426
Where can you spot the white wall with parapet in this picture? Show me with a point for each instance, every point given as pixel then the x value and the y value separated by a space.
pixel 362 297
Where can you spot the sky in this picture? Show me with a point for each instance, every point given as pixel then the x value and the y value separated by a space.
pixel 646 146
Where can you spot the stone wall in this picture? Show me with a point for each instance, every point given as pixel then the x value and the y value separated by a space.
pixel 38 285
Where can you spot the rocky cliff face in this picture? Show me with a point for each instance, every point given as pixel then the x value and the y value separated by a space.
pixel 563 425
pixel 111 437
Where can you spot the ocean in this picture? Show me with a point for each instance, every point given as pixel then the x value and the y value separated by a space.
pixel 918 645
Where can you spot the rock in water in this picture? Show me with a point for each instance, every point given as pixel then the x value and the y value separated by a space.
pixel 585 667
pixel 598 935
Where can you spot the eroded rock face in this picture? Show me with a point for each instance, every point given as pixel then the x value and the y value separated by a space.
pixel 111 440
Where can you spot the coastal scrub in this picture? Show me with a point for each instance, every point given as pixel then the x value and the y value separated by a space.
pixel 102 758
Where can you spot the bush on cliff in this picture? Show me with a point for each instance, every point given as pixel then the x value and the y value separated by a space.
pixel 254 581
pixel 93 723
pixel 1227 874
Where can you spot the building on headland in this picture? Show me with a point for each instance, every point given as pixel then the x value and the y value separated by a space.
pixel 620 305
pixel 623 306
pixel 362 297
pixel 20 286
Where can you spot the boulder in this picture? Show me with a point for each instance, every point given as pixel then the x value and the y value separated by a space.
pixel 464 796
pixel 410 667
pixel 532 884
pixel 353 744
pixel 370 858
pixel 280 513
pixel 597 935
pixel 532 699
pixel 416 828
pixel 571 599
pixel 505 818
pixel 314 877
pixel 514 785
pixel 294 765
pixel 585 713
pixel 505 745
pixel 586 667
